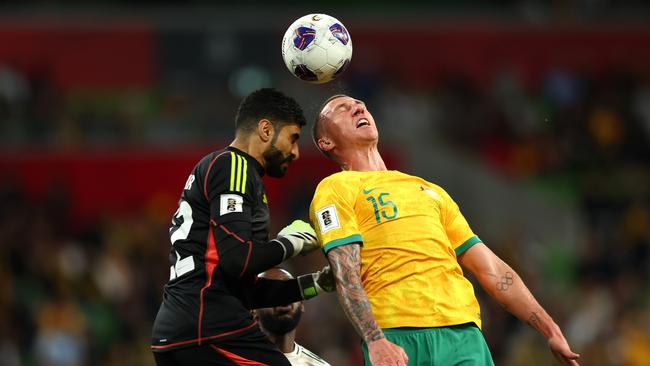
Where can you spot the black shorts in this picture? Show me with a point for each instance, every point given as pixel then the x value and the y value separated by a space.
pixel 251 350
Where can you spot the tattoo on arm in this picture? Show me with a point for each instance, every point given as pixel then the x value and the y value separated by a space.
pixel 346 266
pixel 505 282
pixel 534 321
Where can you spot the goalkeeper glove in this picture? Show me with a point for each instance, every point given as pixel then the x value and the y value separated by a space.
pixel 316 283
pixel 301 237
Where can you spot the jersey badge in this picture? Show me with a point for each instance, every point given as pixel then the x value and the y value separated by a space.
pixel 231 203
pixel 327 219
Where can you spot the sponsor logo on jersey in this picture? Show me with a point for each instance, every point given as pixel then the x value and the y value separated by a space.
pixel 367 191
pixel 231 203
pixel 327 219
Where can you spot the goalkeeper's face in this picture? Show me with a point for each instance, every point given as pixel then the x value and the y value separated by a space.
pixel 282 150
pixel 280 320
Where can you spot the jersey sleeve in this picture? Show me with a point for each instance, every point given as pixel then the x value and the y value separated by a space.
pixel 228 189
pixel 230 193
pixel 458 231
pixel 332 214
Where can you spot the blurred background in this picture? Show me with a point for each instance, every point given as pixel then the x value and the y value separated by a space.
pixel 534 115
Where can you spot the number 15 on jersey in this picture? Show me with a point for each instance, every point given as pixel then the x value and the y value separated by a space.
pixel 383 207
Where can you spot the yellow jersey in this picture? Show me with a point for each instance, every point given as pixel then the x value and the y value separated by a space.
pixel 411 233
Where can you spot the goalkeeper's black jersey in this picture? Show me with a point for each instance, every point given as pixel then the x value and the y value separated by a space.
pixel 220 242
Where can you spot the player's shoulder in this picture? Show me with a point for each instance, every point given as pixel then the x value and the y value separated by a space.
pixel 336 177
pixel 438 192
pixel 428 184
pixel 435 190
pixel 226 169
pixel 216 159
pixel 339 180
pixel 436 187
pixel 227 162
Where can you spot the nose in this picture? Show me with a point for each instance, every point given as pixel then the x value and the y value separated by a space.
pixel 359 109
pixel 295 151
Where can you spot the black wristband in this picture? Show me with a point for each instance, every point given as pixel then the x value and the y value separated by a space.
pixel 286 245
pixel 307 286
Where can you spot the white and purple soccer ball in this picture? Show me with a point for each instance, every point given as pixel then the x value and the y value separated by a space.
pixel 317 48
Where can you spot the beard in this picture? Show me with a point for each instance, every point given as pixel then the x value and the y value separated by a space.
pixel 279 326
pixel 274 160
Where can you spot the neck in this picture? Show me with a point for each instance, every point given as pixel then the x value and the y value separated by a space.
pixel 246 144
pixel 286 342
pixel 363 160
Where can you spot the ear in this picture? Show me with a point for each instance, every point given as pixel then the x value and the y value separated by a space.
pixel 265 130
pixel 325 144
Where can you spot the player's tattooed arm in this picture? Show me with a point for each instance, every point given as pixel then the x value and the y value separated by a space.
pixel 535 322
pixel 504 285
pixel 501 282
pixel 345 261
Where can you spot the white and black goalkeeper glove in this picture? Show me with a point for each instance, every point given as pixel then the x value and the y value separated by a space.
pixel 316 283
pixel 301 238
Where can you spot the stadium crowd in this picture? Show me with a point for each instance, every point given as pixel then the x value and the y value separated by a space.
pixel 87 295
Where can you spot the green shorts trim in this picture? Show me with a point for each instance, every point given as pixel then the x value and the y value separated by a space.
pixel 440 346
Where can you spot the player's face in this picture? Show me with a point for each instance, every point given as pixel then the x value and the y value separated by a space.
pixel 282 150
pixel 280 320
pixel 349 121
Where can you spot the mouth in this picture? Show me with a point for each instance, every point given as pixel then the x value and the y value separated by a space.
pixel 362 122
pixel 283 310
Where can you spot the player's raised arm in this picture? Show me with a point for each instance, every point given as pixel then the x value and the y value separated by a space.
pixel 505 285
pixel 230 188
pixel 346 266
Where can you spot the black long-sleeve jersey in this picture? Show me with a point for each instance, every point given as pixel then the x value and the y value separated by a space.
pixel 220 242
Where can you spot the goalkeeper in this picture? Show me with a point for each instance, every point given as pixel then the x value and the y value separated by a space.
pixel 220 242
pixel 396 244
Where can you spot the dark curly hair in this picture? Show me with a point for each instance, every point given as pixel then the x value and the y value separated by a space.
pixel 270 104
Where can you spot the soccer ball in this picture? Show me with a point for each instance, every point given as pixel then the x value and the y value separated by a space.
pixel 317 48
